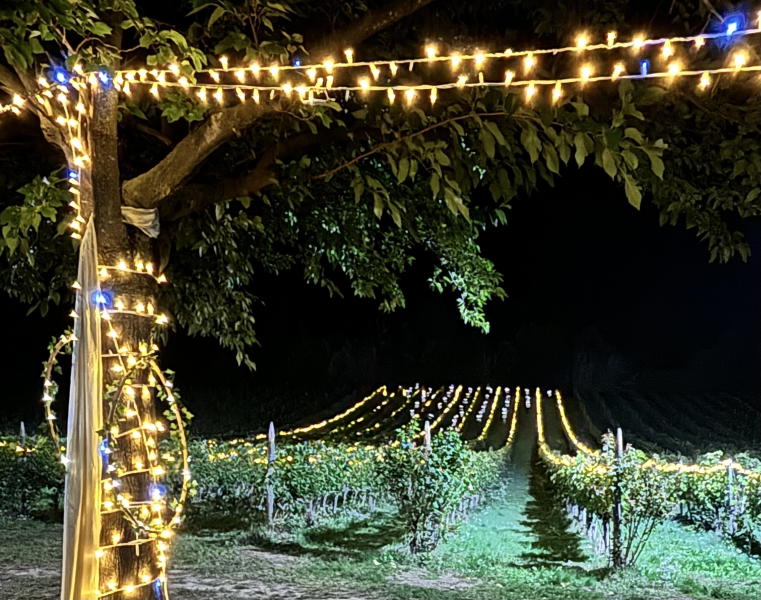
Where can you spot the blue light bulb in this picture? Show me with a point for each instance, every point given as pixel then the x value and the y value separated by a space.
pixel 732 27
pixel 60 76
pixel 73 175
pixel 104 77
pixel 644 67
pixel 296 62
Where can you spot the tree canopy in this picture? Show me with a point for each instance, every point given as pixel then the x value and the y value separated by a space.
pixel 349 191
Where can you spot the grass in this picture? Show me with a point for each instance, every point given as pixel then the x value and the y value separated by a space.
pixel 515 547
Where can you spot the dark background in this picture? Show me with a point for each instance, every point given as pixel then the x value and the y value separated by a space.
pixel 601 297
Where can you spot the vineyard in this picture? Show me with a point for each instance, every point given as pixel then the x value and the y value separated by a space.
pixel 437 459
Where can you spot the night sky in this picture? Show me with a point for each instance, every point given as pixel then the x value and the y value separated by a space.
pixel 599 296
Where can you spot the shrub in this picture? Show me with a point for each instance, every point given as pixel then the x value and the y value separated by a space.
pixel 427 485
pixel 31 478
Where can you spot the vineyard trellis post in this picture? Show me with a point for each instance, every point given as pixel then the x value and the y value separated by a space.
pixel 617 542
pixel 731 499
pixel 270 462
pixel 427 428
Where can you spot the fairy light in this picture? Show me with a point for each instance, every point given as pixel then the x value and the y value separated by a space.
pixel 557 92
pixel 241 75
pixel 618 69
pixel 739 59
pixel 490 418
pixel 699 42
pixel 329 66
pixel 667 49
pixel 349 54
pixel 705 81
pixel 479 60
pixel 586 73
pixel 410 95
pixel 528 62
pixel 455 59
pixel 611 38
pixel 581 42
pixel 509 75
pixel 674 68
pixel 434 96
pixel 530 91
pixel 223 61
pixel 639 41
pixel 375 71
pixel 430 51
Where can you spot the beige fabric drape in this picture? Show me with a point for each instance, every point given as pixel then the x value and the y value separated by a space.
pixel 81 526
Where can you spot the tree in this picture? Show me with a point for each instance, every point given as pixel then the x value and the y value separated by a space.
pixel 280 183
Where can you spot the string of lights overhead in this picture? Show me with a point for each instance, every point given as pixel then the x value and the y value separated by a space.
pixel 583 44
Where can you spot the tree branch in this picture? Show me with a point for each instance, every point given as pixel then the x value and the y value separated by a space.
pixel 370 23
pixel 198 195
pixel 149 189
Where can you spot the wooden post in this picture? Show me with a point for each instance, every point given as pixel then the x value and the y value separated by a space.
pixel 731 500
pixel 271 461
pixel 22 436
pixel 617 546
pixel 427 427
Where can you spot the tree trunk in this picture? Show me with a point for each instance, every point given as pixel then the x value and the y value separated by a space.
pixel 136 564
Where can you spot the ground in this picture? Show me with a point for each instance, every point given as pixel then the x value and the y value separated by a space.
pixel 515 546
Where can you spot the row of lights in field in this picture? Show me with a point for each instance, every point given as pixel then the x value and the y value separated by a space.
pixel 651 463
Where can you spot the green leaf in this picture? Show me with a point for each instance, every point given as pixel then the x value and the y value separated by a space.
pixel 633 193
pixel 608 163
pixel 218 12
pixel 650 95
pixel 656 164
pixel 495 131
pixel 99 28
pixel 442 158
pixel 634 134
pixel 581 148
pixel 530 141
pixel 488 141
pixel 378 208
pixel 551 158
pixel 404 169
pixel 435 184
pixel 631 159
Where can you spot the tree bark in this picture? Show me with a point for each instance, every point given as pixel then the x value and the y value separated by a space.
pixel 123 565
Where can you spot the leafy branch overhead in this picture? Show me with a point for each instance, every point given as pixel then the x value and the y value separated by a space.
pixel 347 192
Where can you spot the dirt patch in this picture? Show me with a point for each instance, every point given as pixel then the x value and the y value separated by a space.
pixel 417 578
pixel 185 585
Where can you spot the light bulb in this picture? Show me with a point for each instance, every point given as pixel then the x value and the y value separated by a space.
pixel 667 49
pixel 479 60
pixel 699 42
pixel 611 38
pixel 530 91
pixel 674 68
pixel 223 62
pixel 312 73
pixel 638 42
pixel 391 95
pixel 364 84
pixel 455 61
pixel 394 68
pixel 557 92
pixel 739 60
pixel 461 80
pixel 349 54
pixel 581 42
pixel 586 72
pixel 705 81
pixel 528 62
pixel 410 94
pixel 434 96
pixel 617 70
pixel 241 75
pixel 375 71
